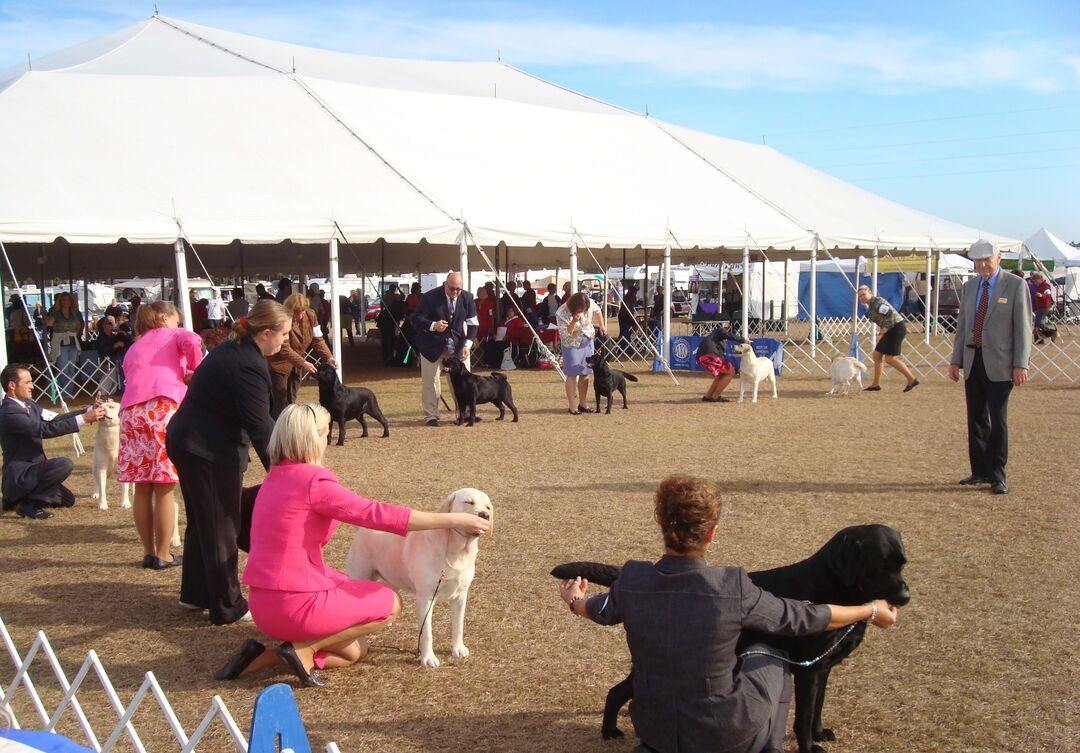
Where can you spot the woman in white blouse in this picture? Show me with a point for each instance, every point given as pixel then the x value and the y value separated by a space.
pixel 578 319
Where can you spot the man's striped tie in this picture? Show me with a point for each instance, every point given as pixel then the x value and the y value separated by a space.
pixel 980 314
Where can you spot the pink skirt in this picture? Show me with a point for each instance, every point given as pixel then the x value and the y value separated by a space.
pixel 306 615
pixel 142 457
pixel 716 365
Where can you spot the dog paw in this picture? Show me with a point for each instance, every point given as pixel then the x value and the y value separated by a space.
pixel 429 661
pixel 103 505
pixel 459 652
pixel 824 735
pixel 126 505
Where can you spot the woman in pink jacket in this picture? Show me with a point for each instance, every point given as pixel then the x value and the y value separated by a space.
pixel 157 368
pixel 322 618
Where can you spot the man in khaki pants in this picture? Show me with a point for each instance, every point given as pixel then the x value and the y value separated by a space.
pixel 445 321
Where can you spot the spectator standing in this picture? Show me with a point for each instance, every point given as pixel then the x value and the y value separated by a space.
pixel 626 316
pixel 288 363
pixel 228 396
pixel 284 289
pixel 113 310
pixel 238 305
pixel 158 367
pixel 345 312
pixel 261 294
pixel 215 310
pixel 992 347
pixel 67 328
pixel 1042 303
pixel 578 320
pixel 413 299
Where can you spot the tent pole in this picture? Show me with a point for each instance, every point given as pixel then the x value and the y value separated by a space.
pixel 3 324
pixel 41 281
pixel 665 344
pixel 746 290
pixel 161 295
pixel 646 301
pixel 926 310
pixel 243 273
pixel 71 275
pixel 784 307
pixel 873 288
pixel 763 330
pixel 813 297
pixel 463 262
pixel 937 292
pixel 382 261
pixel 335 309
pixel 182 283
pixel 855 301
pixel 573 268
pixel 86 297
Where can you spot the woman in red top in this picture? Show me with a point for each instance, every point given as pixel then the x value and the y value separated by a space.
pixel 1042 300
pixel 321 616
pixel 485 311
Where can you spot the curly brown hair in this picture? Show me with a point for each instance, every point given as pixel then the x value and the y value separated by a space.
pixel 686 508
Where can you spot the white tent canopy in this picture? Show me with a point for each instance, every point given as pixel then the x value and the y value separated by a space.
pixel 168 129
pixel 1046 246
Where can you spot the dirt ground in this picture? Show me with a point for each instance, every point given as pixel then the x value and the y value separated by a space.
pixel 983 659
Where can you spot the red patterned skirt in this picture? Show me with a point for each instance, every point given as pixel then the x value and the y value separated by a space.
pixel 142 443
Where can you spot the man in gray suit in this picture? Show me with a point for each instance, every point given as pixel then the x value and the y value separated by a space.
pixel 992 346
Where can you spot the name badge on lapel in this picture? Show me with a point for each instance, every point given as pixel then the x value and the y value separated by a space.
pixel 1003 300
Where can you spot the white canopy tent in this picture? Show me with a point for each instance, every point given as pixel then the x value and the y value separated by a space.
pixel 1046 246
pixel 251 150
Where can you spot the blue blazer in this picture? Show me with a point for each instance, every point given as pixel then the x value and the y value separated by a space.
pixel 432 308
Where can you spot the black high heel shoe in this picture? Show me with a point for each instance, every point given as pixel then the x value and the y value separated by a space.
pixel 311 679
pixel 250 650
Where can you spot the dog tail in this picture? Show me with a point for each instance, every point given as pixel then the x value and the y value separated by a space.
pixel 631 377
pixel 594 572
pixel 861 365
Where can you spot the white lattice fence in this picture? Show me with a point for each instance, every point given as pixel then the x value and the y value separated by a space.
pixel 123 727
pixel 77 379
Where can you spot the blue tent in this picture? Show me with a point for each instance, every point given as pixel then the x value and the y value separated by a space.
pixel 835 293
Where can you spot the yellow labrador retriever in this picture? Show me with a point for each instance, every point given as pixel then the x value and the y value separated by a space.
pixel 753 370
pixel 434 565
pixel 106 452
pixel 844 370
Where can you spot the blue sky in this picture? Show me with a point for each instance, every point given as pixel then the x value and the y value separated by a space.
pixel 966 110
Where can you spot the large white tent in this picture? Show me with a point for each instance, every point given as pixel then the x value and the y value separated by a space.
pixel 1045 246
pixel 168 127
pixel 252 150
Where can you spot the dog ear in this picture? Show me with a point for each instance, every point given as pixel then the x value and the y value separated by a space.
pixel 846 558
pixel 447 503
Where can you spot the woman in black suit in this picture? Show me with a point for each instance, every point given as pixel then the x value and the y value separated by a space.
pixel 229 392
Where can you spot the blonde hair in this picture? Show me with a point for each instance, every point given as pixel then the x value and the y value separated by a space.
pixel 149 315
pixel 264 314
pixel 298 433
pixel 296 302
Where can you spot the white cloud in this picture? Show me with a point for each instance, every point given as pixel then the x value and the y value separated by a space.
pixel 696 54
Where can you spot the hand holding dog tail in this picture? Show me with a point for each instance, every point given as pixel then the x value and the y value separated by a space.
pixel 594 572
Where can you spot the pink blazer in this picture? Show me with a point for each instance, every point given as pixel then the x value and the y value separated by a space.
pixel 155 364
pixel 295 514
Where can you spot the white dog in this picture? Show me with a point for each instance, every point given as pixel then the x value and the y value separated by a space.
pixel 845 370
pixel 753 370
pixel 434 565
pixel 106 452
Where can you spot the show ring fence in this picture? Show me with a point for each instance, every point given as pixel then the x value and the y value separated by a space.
pixel 100 711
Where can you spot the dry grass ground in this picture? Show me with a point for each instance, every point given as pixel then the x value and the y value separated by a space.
pixel 984 658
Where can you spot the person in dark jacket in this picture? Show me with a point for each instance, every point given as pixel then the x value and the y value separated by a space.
pixel 712 356
pixel 694 694
pixel 228 395
pixel 446 324
pixel 31 481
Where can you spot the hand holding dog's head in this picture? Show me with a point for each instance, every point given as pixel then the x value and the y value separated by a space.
pixel 472 502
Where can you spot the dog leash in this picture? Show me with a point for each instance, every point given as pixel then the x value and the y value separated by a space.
pixel 807 662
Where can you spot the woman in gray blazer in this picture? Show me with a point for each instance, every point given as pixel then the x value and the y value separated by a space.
pixel 683 618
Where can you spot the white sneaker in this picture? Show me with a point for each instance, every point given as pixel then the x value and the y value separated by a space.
pixel 245 617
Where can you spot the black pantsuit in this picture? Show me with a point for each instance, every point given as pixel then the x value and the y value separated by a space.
pixel 987 417
pixel 284 389
pixel 212 504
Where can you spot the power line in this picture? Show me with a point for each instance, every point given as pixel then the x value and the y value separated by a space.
pixel 955 156
pixel 946 141
pixel 925 120
pixel 970 172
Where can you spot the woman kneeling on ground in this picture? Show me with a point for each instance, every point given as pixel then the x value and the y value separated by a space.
pixel 321 616
pixel 701 696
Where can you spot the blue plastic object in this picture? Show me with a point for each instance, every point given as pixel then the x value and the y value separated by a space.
pixel 276 723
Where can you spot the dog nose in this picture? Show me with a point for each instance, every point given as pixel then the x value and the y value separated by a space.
pixel 484 514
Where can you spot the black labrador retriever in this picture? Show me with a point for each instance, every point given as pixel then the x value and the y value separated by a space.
pixel 471 390
pixel 607 380
pixel 857 565
pixel 346 403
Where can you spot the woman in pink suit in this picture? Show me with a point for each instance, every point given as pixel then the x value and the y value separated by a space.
pixel 157 368
pixel 322 618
